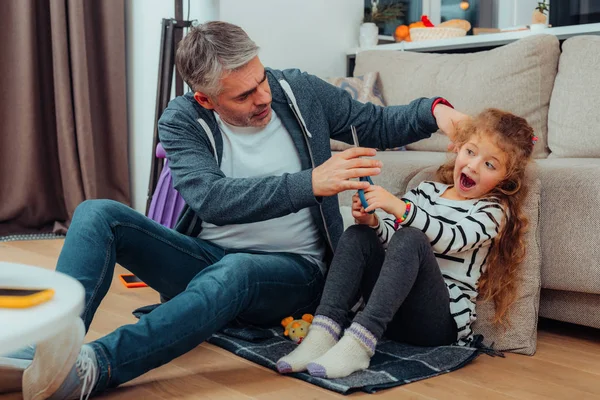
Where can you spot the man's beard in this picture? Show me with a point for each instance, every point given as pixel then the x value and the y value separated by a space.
pixel 247 121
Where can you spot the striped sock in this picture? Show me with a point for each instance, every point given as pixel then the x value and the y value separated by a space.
pixel 352 353
pixel 322 335
pixel 364 336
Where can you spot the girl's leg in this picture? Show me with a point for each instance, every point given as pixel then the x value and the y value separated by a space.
pixel 411 275
pixel 358 249
pixel 423 317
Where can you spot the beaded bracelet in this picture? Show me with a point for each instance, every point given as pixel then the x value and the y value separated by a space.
pixel 403 217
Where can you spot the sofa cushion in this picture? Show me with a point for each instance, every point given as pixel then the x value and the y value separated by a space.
pixel 521 335
pixel 363 88
pixel 517 78
pixel 570 224
pixel 574 119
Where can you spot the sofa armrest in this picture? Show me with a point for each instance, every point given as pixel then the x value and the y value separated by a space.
pixel 570 224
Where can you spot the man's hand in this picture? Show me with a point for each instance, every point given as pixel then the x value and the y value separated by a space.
pixel 333 176
pixel 360 215
pixel 447 120
pixel 378 197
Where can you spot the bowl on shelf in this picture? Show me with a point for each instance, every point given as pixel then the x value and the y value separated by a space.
pixel 435 33
pixel 537 27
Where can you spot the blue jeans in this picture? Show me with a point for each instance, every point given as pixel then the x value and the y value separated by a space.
pixel 209 286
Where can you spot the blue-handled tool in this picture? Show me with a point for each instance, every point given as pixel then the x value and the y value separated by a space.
pixel 361 192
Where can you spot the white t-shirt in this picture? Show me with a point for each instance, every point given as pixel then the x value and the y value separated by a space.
pixel 250 152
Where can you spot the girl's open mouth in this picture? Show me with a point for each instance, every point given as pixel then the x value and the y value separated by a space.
pixel 466 182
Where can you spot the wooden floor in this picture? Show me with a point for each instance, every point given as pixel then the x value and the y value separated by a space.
pixel 566 366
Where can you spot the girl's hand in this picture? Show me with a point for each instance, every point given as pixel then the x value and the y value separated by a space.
pixel 378 197
pixel 360 216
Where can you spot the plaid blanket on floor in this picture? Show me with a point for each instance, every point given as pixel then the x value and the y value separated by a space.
pixel 393 364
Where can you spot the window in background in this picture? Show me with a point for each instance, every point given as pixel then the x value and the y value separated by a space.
pixel 480 13
pixel 460 9
pixel 487 16
pixel 403 12
pixel 574 12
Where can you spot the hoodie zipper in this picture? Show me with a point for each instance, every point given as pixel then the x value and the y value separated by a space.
pixel 312 161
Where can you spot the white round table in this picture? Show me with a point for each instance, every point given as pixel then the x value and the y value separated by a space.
pixel 25 326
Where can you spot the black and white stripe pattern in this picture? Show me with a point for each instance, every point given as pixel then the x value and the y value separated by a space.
pixel 461 234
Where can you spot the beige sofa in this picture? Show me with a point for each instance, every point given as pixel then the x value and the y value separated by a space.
pixel 558 92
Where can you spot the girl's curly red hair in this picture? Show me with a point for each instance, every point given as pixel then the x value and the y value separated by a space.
pixel 515 137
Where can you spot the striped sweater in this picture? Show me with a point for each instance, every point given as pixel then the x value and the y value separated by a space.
pixel 461 235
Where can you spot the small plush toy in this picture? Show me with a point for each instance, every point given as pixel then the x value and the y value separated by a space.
pixel 297 329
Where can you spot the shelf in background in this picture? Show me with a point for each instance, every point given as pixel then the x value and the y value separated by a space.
pixel 485 40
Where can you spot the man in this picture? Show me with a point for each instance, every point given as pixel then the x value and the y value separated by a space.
pixel 249 153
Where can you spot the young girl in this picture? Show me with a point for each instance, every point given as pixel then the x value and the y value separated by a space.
pixel 447 243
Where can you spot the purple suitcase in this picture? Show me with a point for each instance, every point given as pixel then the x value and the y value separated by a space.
pixel 166 204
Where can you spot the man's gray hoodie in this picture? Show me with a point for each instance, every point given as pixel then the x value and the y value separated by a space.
pixel 313 111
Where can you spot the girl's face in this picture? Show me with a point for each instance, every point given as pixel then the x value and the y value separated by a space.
pixel 480 166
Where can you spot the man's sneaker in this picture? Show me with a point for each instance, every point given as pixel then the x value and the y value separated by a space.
pixel 12 366
pixel 54 359
pixel 24 353
pixel 11 374
pixel 82 378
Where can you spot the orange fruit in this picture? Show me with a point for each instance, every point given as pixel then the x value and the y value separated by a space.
pixel 418 24
pixel 401 32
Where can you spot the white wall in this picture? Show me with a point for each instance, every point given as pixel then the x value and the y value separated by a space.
pixel 524 11
pixel 312 35
pixel 515 12
pixel 143 28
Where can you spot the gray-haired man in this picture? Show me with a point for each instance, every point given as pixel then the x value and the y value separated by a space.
pixel 249 152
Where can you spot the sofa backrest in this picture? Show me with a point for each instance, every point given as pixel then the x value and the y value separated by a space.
pixel 574 115
pixel 518 78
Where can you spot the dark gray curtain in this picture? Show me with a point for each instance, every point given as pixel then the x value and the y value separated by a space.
pixel 63 110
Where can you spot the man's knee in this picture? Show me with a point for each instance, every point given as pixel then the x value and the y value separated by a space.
pixel 231 274
pixel 94 212
pixel 228 281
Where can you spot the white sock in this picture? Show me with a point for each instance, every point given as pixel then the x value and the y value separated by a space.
pixel 352 353
pixel 323 334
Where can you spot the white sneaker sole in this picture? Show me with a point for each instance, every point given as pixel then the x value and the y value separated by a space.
pixel 11 374
pixel 53 361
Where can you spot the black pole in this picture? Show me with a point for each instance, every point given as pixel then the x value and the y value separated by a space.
pixel 156 165
pixel 171 35
pixel 178 35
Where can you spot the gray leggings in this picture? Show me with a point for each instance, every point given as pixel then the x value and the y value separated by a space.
pixel 405 293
